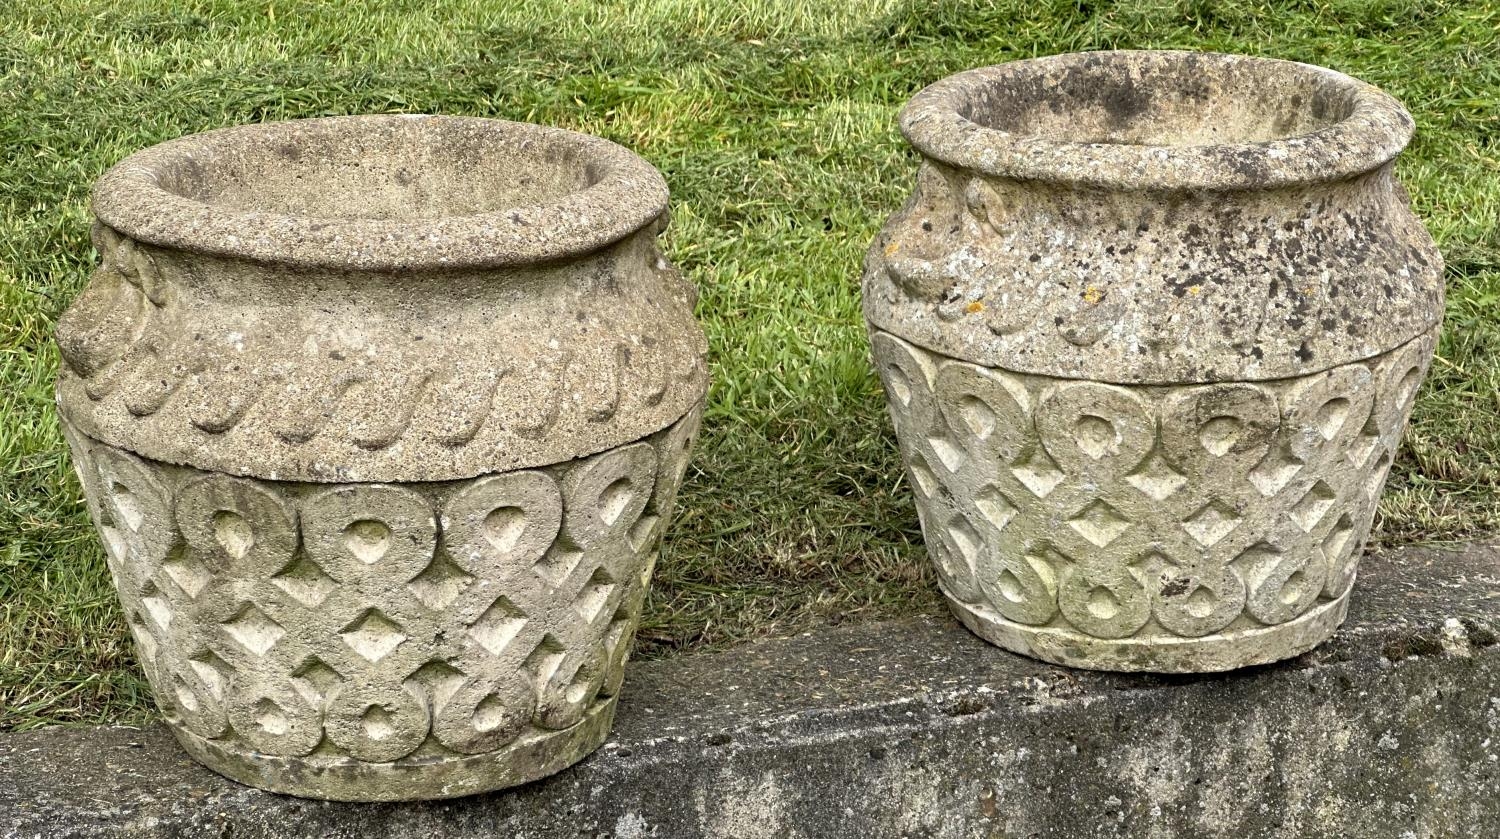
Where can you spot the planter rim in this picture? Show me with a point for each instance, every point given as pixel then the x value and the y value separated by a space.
pixel 623 194
pixel 1375 129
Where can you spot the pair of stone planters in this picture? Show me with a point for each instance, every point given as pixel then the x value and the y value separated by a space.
pixel 381 418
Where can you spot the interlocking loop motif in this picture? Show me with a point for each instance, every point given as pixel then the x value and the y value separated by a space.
pixel 1134 512
pixel 384 622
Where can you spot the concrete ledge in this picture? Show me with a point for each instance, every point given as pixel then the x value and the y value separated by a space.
pixel 915 728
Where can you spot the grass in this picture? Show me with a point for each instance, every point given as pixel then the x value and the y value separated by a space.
pixel 774 124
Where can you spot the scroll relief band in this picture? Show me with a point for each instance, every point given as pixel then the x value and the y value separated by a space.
pixel 1171 512
pixel 417 623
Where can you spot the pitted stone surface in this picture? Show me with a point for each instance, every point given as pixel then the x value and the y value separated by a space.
pixel 1155 218
pixel 1150 327
pixel 1197 527
pixel 383 641
pixel 381 420
pixel 351 300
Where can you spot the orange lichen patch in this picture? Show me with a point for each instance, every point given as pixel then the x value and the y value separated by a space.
pixel 890 250
pixel 974 308
pixel 1093 294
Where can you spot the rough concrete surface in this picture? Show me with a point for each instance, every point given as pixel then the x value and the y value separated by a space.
pixel 1150 326
pixel 380 419
pixel 916 728
pixel 380 298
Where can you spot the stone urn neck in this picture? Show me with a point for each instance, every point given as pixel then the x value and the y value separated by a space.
pixel 383 193
pixel 1158 121
pixel 1155 218
pixel 380 298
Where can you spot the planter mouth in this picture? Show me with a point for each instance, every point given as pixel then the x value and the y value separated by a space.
pixel 383 192
pixel 1158 120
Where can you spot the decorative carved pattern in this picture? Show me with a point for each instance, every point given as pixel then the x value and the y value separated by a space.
pixel 1136 512
pixel 414 623
pixel 145 363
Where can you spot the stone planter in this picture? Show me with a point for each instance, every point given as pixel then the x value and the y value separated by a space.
pixel 1150 328
pixel 381 420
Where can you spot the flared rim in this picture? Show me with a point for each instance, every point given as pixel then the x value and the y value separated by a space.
pixel 623 194
pixel 1372 131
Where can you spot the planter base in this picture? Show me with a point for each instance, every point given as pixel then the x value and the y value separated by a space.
pixel 536 755
pixel 381 642
pixel 1156 654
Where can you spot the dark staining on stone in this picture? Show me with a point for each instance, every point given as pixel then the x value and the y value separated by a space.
pixel 926 226
pixel 1257 352
pixel 1175 587
pixel 1417 644
pixel 1124 101
pixel 1304 353
pixel 964 706
pixel 1143 227
pixel 1253 165
pixel 1479 634
pixel 719 739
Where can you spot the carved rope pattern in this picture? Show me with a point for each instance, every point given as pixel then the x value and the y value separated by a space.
pixel 378 621
pixel 113 342
pixel 1136 511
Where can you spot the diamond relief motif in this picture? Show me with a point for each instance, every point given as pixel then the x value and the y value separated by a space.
pixel 254 630
pixel 440 583
pixel 1166 486
pixel 1313 506
pixel 1211 523
pixel 995 507
pixel 1099 523
pixel 499 624
pixel 373 635
pixel 189 574
pixel 1039 473
pixel 1156 479
pixel 306 582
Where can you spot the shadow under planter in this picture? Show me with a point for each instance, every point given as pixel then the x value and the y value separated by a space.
pixel 381 420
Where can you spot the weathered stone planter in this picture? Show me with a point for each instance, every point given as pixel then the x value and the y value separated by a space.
pixel 1151 326
pixel 381 420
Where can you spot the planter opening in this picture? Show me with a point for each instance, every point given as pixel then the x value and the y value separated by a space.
pixel 402 169
pixel 1158 120
pixel 1116 99
pixel 386 192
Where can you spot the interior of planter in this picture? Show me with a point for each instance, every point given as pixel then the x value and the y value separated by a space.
pixel 1159 99
pixel 390 169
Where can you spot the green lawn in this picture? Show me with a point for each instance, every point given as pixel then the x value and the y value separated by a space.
pixel 774 125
